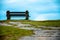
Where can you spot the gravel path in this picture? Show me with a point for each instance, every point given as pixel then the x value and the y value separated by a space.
pixel 43 35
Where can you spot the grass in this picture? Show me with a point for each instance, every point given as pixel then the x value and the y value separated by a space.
pixel 11 33
pixel 54 23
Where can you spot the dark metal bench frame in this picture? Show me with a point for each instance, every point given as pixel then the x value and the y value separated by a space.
pixel 9 14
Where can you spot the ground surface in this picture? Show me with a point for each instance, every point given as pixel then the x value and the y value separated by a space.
pixel 46 30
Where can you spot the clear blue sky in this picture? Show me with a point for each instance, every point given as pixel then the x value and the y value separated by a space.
pixel 38 9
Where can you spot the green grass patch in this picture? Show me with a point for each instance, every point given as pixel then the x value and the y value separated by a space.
pixel 53 23
pixel 11 33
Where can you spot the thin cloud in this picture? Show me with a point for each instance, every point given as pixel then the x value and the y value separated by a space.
pixel 9 1
pixel 42 17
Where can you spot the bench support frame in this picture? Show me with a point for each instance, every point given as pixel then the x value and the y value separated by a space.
pixel 26 13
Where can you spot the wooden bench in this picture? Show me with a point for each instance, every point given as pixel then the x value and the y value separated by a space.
pixel 25 14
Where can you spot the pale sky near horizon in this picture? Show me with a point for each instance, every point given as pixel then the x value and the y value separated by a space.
pixel 38 9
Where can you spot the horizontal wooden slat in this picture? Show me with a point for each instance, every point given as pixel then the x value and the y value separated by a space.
pixel 17 12
pixel 17 15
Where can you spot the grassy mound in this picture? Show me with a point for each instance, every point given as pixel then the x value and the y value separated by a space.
pixel 48 23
